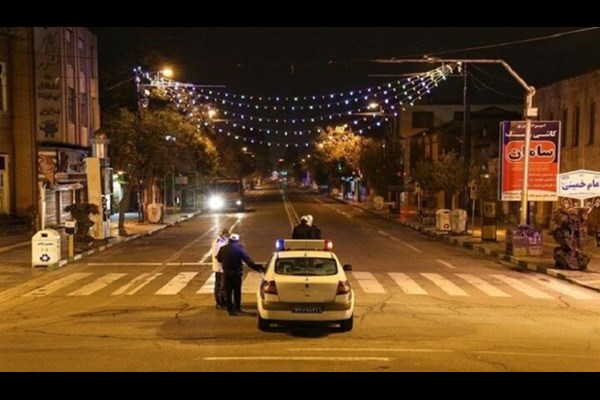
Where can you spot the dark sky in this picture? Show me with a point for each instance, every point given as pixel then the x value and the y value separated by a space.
pixel 284 61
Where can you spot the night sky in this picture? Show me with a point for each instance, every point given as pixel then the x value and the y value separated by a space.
pixel 287 61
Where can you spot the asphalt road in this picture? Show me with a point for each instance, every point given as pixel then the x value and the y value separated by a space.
pixel 421 305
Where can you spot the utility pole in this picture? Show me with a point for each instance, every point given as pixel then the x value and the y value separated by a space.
pixel 529 112
pixel 466 142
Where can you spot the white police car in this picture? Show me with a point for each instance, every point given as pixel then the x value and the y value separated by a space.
pixel 304 281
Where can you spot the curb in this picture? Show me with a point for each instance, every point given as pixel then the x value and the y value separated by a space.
pixel 120 240
pixel 542 268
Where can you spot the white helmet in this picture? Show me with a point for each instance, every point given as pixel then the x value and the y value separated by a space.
pixel 309 219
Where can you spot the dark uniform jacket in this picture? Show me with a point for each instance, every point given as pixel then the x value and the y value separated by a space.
pixel 231 256
pixel 302 231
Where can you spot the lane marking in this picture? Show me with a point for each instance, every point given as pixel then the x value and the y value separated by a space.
pixel 411 247
pixel 176 284
pixel 407 285
pixel 482 285
pixel 121 264
pixel 274 358
pixel 58 284
pixel 97 285
pixel 377 350
pixel 368 283
pixel 446 264
pixel 445 284
pixel 444 351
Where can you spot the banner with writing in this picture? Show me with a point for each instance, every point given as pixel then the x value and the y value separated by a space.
pixel 579 184
pixel 544 160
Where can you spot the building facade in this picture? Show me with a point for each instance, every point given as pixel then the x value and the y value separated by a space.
pixel 49 111
pixel 574 102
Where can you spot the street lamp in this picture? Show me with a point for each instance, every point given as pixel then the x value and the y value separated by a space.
pixel 529 112
pixel 142 101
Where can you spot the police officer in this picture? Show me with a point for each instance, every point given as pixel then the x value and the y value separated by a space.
pixel 302 230
pixel 217 268
pixel 315 231
pixel 231 256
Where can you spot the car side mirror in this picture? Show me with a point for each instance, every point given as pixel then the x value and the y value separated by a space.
pixel 347 268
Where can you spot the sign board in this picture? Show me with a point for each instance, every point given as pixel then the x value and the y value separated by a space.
pixel 581 184
pixel 544 160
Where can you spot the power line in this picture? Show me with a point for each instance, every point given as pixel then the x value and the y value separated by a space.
pixel 504 44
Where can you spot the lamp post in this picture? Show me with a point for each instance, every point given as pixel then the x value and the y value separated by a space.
pixel 141 103
pixel 529 112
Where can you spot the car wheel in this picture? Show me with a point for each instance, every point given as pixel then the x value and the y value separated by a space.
pixel 264 324
pixel 347 324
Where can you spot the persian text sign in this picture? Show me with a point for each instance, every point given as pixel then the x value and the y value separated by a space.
pixel 544 160
pixel 579 184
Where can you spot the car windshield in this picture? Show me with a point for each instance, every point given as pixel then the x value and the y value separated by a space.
pixel 306 266
pixel 225 187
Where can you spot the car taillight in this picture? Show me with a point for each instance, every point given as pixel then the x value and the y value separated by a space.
pixel 269 287
pixel 343 288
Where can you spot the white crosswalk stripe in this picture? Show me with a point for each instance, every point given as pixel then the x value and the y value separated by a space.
pixel 58 284
pixel 136 284
pixel 250 284
pixel 562 288
pixel 522 287
pixel 209 285
pixel 482 285
pixel 445 284
pixel 497 286
pixel 97 285
pixel 176 284
pixel 368 283
pixel 407 285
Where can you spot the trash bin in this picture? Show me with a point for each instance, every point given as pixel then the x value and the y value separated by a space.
pixel 45 248
pixel 535 242
pixel 520 242
pixel 458 221
pixel 155 213
pixel 442 220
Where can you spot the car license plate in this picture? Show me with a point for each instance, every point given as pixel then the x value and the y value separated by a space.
pixel 307 310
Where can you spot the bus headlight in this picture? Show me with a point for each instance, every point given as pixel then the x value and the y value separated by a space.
pixel 216 203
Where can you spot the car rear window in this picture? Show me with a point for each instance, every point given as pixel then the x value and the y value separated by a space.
pixel 306 266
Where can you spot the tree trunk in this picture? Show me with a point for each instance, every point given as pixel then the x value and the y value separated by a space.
pixel 123 205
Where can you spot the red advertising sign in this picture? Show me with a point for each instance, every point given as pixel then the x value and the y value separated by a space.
pixel 544 160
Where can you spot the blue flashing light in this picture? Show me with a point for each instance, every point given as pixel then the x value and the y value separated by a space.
pixel 280 244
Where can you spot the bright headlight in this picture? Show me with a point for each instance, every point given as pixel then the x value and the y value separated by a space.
pixel 216 203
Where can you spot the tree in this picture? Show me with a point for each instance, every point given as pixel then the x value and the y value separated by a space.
pixel 339 150
pixel 442 175
pixel 448 172
pixel 164 141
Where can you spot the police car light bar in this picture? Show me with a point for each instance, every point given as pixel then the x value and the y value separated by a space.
pixel 295 244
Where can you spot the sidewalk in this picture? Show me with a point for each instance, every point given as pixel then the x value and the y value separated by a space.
pixel 134 230
pixel 543 264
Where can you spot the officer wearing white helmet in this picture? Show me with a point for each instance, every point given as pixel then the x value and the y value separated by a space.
pixel 302 230
pixel 231 256
pixel 315 231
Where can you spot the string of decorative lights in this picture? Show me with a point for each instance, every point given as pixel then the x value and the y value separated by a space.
pixel 188 105
pixel 192 100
